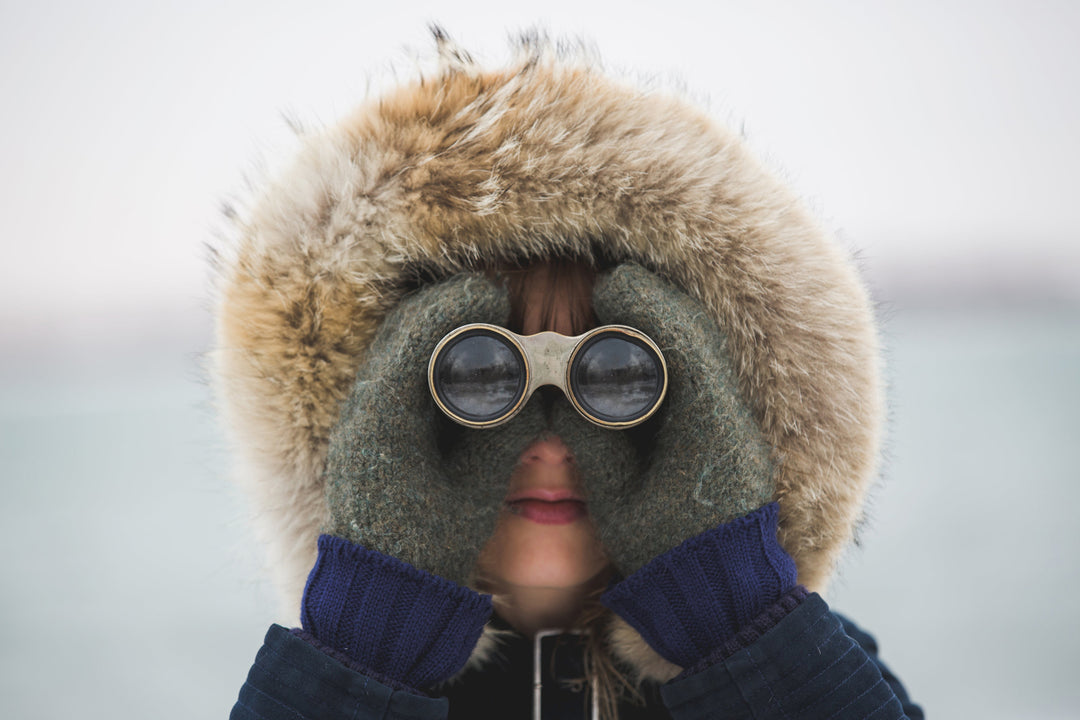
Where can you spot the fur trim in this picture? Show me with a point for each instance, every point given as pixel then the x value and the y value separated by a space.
pixel 628 645
pixel 465 167
pixel 625 642
pixel 486 649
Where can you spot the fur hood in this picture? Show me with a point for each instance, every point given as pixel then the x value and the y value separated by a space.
pixel 467 166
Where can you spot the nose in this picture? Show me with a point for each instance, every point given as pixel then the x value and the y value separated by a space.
pixel 549 451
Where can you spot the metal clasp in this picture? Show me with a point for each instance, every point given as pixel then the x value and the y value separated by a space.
pixel 594 699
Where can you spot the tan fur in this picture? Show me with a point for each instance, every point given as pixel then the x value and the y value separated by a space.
pixel 486 649
pixel 628 645
pixel 548 156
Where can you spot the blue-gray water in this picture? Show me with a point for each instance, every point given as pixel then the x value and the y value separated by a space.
pixel 130 587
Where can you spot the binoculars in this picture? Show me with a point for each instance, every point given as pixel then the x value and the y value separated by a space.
pixel 481 375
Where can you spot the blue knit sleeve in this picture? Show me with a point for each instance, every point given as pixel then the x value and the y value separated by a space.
pixel 392 621
pixel 694 599
pixel 806 666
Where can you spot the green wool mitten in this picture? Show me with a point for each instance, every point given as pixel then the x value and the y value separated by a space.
pixel 388 486
pixel 703 460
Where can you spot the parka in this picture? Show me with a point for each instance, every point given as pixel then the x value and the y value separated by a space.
pixel 550 157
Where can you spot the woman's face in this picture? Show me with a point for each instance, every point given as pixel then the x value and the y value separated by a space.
pixel 544 538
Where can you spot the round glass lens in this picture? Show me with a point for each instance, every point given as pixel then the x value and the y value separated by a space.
pixel 479 376
pixel 617 378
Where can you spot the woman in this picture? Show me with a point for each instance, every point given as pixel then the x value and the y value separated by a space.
pixel 686 548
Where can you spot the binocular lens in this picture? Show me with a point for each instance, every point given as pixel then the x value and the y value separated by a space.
pixel 480 376
pixel 617 379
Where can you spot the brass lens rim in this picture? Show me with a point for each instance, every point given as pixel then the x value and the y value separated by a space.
pixel 474 330
pixel 553 359
pixel 634 337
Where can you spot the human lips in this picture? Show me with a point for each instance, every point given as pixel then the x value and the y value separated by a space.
pixel 544 487
pixel 548 512
pixel 551 495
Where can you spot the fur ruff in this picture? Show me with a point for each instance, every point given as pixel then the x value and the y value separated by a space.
pixel 468 166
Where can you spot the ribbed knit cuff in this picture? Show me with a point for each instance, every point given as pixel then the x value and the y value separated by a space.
pixel 392 619
pixel 692 600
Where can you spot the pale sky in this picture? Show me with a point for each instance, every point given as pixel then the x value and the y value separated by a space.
pixel 921 131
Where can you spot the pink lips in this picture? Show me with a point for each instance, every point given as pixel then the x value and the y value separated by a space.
pixel 560 512
pixel 547 507
pixel 545 485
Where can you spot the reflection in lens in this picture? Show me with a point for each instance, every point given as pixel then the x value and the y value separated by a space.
pixel 479 377
pixel 617 379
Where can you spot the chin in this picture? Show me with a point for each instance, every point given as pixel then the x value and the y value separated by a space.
pixel 541 556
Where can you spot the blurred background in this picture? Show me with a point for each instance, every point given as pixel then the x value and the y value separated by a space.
pixel 938 139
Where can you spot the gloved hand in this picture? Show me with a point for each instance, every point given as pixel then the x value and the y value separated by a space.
pixel 396 512
pixel 707 462
pixel 386 484
pixel 704 478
